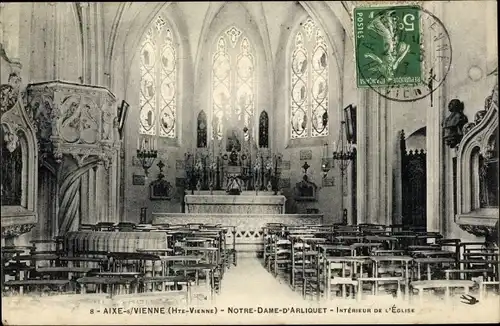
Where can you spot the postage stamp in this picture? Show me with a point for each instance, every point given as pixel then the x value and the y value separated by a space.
pixel 388 51
pixel 403 53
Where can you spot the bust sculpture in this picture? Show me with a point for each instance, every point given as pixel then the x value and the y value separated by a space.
pixel 481 113
pixel 454 123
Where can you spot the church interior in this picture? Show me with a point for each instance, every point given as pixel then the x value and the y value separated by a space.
pixel 193 152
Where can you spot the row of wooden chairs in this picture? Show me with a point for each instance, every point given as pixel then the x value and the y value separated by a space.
pixel 192 252
pixel 352 260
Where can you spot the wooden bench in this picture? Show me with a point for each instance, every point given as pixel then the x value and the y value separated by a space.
pixel 68 272
pixel 59 285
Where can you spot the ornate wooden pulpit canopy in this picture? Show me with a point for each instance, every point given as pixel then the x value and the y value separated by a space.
pixel 19 154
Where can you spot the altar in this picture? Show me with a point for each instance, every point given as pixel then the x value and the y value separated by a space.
pixel 247 202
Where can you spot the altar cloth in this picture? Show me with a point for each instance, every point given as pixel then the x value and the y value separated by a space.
pixel 235 204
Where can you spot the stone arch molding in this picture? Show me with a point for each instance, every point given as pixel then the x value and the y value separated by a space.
pixel 129 26
pixel 478 137
pixel 255 12
pixel 334 28
pixel 250 18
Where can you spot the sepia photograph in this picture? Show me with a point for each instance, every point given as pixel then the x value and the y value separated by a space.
pixel 249 162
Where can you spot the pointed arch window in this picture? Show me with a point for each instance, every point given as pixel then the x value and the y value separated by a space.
pixel 233 85
pixel 309 82
pixel 158 91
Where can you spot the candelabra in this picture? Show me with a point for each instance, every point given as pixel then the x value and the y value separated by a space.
pixel 147 153
pixel 343 153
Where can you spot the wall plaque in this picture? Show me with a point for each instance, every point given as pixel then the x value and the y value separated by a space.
pixel 328 182
pixel 138 179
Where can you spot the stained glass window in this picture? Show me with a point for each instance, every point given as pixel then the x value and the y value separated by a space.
pixel 201 137
pixel 158 68
pixel 264 130
pixel 309 82
pixel 233 82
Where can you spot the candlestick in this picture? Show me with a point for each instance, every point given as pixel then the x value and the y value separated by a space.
pixel 138 143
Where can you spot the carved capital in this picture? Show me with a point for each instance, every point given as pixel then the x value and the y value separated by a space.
pixel 477 230
pixel 16 230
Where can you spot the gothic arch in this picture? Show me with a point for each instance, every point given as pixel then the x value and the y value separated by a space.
pixel 131 22
pixel 334 32
pixel 216 22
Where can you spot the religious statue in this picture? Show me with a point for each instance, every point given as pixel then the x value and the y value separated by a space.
pixel 234 187
pixel 233 142
pixel 11 176
pixel 454 123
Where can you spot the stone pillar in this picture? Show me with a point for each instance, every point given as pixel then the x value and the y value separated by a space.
pixel 84 199
pixel 436 150
pixel 9 29
pixel 374 160
pixel 95 193
pixel 361 157
pixel 397 185
pixel 93 45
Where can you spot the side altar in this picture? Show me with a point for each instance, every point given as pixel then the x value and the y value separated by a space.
pixel 245 203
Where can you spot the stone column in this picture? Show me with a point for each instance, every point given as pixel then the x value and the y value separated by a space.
pixel 361 166
pixel 92 196
pixel 436 150
pixel 9 29
pixel 85 200
pixel 374 161
pixel 397 185
pixel 93 45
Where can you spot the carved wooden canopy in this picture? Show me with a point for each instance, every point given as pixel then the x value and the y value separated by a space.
pixel 476 213
pixel 19 154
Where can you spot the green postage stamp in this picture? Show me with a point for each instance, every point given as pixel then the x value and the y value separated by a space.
pixel 388 48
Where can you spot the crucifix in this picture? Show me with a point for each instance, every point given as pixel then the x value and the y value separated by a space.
pixel 305 166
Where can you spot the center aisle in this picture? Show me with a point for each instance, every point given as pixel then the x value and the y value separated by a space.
pixel 250 283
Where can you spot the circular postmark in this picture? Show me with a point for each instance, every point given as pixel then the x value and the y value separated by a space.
pixel 403 53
